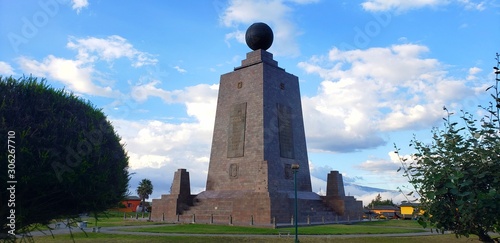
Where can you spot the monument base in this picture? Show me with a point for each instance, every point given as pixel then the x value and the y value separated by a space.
pixel 236 207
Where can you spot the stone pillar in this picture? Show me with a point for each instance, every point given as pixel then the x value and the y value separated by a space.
pixel 337 200
pixel 181 185
pixel 335 192
pixel 335 184
pixel 179 199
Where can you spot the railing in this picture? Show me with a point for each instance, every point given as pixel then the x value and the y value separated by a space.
pixel 230 220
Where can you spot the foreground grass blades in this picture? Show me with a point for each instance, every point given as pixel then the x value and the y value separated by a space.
pixel 358 232
pixel 80 237
pixel 337 229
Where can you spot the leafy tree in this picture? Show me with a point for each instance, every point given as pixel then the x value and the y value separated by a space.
pixel 457 176
pixel 65 156
pixel 379 202
pixel 144 189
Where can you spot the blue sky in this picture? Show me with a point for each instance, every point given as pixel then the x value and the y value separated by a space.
pixel 372 72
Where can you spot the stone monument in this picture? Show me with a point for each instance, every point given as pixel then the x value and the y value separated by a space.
pixel 258 135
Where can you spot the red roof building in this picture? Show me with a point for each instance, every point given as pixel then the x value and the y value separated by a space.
pixel 130 203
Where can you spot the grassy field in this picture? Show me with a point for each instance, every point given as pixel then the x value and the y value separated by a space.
pixel 337 229
pixel 322 233
pixel 80 237
pixel 117 219
pixel 392 223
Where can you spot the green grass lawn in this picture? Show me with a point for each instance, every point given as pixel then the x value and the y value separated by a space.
pixel 341 229
pixel 337 229
pixel 207 229
pixel 327 233
pixel 112 218
pixel 393 223
pixel 112 238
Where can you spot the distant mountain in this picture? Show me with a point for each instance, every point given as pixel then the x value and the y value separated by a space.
pixel 357 190
pixel 367 194
pixel 366 189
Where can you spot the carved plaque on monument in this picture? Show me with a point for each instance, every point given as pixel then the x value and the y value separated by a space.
pixel 285 131
pixel 288 171
pixel 236 133
pixel 233 171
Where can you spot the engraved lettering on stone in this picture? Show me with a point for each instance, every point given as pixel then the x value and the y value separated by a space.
pixel 233 171
pixel 236 133
pixel 285 131
pixel 240 84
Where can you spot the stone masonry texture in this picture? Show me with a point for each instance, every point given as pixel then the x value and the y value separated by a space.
pixel 258 134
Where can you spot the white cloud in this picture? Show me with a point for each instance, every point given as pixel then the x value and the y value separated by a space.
pixel 6 69
pixel 108 49
pixel 469 5
pixel 304 1
pixel 79 4
pixel 238 35
pixel 201 103
pixel 367 92
pixel 200 100
pixel 318 185
pixel 155 144
pixel 80 74
pixel 76 74
pixel 472 73
pixel 240 11
pixel 142 92
pixel 179 69
pixel 400 5
pixel 404 5
pixel 379 167
pixel 275 13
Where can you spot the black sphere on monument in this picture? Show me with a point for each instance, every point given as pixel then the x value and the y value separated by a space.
pixel 259 36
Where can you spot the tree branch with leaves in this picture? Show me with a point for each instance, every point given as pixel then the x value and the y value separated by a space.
pixel 457 176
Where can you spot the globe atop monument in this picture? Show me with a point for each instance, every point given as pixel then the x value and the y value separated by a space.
pixel 259 36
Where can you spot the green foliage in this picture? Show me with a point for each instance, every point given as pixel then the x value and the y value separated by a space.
pixel 379 202
pixel 68 158
pixel 144 189
pixel 457 176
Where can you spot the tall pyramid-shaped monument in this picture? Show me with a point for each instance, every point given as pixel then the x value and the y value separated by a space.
pixel 259 130
pixel 258 136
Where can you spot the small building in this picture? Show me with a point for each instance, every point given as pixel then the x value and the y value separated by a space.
pixel 410 210
pixel 385 211
pixel 131 203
